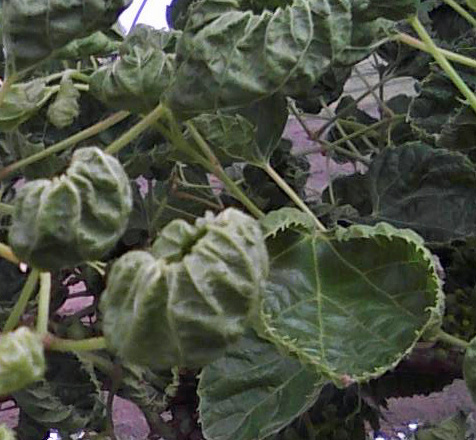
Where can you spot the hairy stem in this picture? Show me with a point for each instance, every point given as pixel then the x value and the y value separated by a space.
pixel 22 301
pixel 443 62
pixel 136 130
pixel 417 44
pixel 66 345
pixel 292 195
pixel 44 296
pixel 461 11
pixel 452 340
pixel 63 145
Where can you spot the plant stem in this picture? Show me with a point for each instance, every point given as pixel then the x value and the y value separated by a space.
pixel 417 44
pixel 292 195
pixel 452 340
pixel 6 209
pixel 300 119
pixel 44 296
pixel 136 130
pixel 6 87
pixel 443 62
pixel 461 11
pixel 66 345
pixel 218 170
pixel 22 301
pixel 7 253
pixel 63 145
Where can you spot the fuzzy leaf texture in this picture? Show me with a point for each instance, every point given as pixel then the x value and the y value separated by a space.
pixel 33 29
pixel 353 304
pixel 137 79
pixel 191 296
pixel 74 218
pixel 22 360
pixel 21 102
pixel 65 108
pixel 253 391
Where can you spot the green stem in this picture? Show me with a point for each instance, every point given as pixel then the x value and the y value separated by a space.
pixel 63 145
pixel 461 11
pixel 66 345
pixel 101 363
pixel 22 301
pixel 292 195
pixel 7 253
pixel 6 209
pixel 218 170
pixel 417 44
pixel 443 62
pixel 452 340
pixel 136 130
pixel 44 296
pixel 6 87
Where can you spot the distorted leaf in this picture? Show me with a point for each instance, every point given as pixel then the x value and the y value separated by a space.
pixel 195 292
pixel 33 29
pixel 96 44
pixel 253 391
pixel 22 360
pixel 137 79
pixel 354 304
pixel 65 108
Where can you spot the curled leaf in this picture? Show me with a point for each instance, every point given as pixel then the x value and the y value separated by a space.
pixel 74 218
pixel 354 304
pixel 33 29
pixel 65 108
pixel 22 360
pixel 193 295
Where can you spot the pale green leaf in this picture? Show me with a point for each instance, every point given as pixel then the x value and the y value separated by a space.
pixel 353 304
pixel 253 391
pixel 469 368
pixel 65 108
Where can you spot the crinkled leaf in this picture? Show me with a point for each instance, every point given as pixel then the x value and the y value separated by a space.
pixel 33 29
pixel 286 218
pixel 137 79
pixel 195 291
pixel 22 360
pixel 21 102
pixel 177 13
pixel 96 44
pixel 253 391
pixel 367 10
pixel 229 58
pixel 65 108
pixel 354 304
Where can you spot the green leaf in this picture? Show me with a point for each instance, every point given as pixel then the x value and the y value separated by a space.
pixel 253 391
pixel 471 4
pixel 286 218
pixel 6 433
pixel 195 292
pixel 78 217
pixel 22 360
pixel 21 102
pixel 137 79
pixel 65 108
pixel 33 29
pixel 353 305
pixel 453 428
pixel 367 10
pixel 96 44
pixel 469 368
pixel 229 58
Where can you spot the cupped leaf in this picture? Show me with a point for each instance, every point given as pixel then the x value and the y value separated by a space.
pixel 228 58
pixel 33 29
pixel 65 108
pixel 354 304
pixel 137 79
pixel 22 360
pixel 195 292
pixel 77 217
pixel 21 102
pixel 253 391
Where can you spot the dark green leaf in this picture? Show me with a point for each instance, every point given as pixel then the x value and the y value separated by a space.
pixel 96 44
pixel 453 428
pixel 33 29
pixel 378 283
pixel 367 10
pixel 137 79
pixel 253 391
